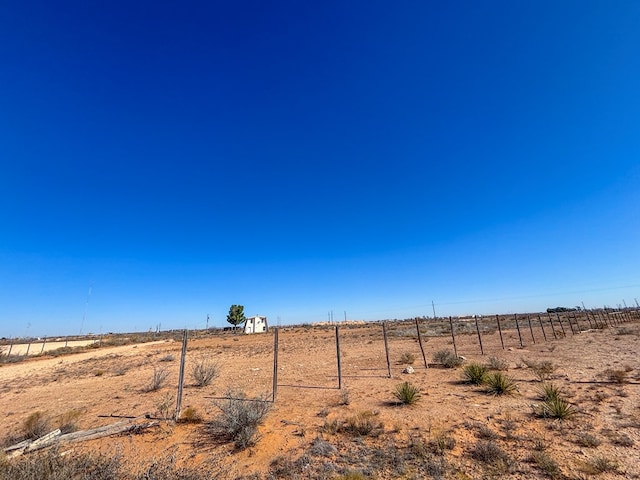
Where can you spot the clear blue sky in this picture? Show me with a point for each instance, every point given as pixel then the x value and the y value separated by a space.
pixel 302 157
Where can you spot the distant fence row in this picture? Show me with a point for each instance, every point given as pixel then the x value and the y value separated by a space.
pixel 468 335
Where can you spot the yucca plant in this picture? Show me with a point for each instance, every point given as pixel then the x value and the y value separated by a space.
pixel 556 407
pixel 407 394
pixel 549 391
pixel 475 373
pixel 499 384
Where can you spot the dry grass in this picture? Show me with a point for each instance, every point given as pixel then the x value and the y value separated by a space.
pixel 204 371
pixel 158 379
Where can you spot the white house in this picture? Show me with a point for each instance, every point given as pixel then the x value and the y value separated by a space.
pixel 256 324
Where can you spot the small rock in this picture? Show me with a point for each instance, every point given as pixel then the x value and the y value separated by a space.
pixel 408 370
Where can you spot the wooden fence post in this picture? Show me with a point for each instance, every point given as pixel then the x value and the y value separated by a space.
pixel 10 347
pixel 455 350
pixel 386 347
pixel 575 318
pixel 570 324
pixel 553 328
pixel 589 319
pixel 44 342
pixel 479 337
pixel 183 357
pixel 28 348
pixel 518 328
pixel 338 359
pixel 542 328
pixel 426 365
pixel 531 328
pixel 275 364
pixel 564 334
pixel 500 330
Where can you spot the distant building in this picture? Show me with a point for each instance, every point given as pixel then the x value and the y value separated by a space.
pixel 256 324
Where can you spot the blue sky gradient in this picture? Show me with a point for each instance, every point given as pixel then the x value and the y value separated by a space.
pixel 299 158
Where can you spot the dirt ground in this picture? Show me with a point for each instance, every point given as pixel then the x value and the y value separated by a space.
pixel 441 436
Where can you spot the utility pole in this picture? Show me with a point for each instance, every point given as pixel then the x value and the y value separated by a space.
pixel 207 321
pixel 637 305
pixel 345 315
pixel 434 309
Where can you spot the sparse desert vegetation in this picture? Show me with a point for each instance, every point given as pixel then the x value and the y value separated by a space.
pixel 558 396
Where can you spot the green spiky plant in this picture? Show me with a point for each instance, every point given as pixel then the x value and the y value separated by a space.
pixel 475 373
pixel 556 407
pixel 499 384
pixel 407 394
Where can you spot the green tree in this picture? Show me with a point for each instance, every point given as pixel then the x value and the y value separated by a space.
pixel 236 315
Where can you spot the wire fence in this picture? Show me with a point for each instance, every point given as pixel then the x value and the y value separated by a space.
pixel 324 346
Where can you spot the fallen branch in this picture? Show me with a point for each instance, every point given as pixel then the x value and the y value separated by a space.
pixel 55 437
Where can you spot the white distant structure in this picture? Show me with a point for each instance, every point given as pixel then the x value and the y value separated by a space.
pixel 256 324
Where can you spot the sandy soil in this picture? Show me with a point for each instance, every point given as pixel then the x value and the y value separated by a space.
pixel 108 383
pixel 40 346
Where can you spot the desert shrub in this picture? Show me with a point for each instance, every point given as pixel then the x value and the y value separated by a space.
pixel 485 432
pixel 499 384
pixel 585 439
pixel 601 465
pixel 617 376
pixel 509 427
pixel 167 358
pixel 68 421
pixel 407 394
pixel 488 451
pixel 474 373
pixel 165 406
pixel 441 442
pixel 332 426
pixel 322 448
pixel 626 331
pixel 50 465
pixel 165 468
pixel 547 464
pixel 556 407
pixel 407 358
pixel 283 467
pixel 158 379
pixel 623 440
pixel 204 372
pixel 353 475
pixel 542 370
pixel 447 358
pixel 6 358
pixel 36 425
pixel 495 363
pixel 345 396
pixel 239 419
pixel 363 424
pixel 190 415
